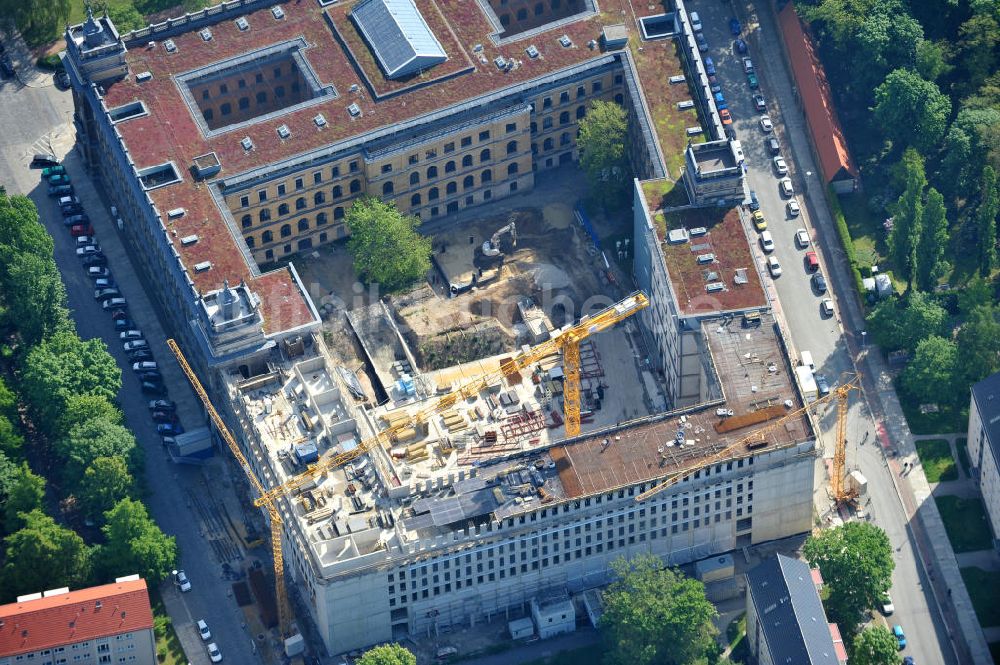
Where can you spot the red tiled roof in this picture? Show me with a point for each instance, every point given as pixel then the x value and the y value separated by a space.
pixel 814 91
pixel 817 577
pixel 72 617
pixel 838 643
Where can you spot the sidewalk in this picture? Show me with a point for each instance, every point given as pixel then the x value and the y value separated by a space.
pixel 24 62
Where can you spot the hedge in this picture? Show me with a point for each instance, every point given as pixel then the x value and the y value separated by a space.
pixel 846 242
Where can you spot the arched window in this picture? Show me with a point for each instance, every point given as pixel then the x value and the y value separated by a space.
pixel 486 176
pixel 338 213
pixel 246 221
pixel 264 214
pixel 303 224
pixel 415 200
pixel 512 168
pixel 338 191
pixel 283 209
pixel 286 230
pixel 484 156
pixel 321 219
pixel 451 188
pixel 511 147
pixel 250 242
pixel 414 178
pixel 432 194
pixel 564 118
pixel 468 182
pixel 267 237
pixel 449 167
pixel 547 145
pixel 432 172
pixel 580 112
pixel 467 160
pixel 355 186
pixel 387 188
pixel 319 198
pixel 620 99
pixel 300 203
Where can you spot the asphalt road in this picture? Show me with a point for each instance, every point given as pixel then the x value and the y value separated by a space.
pixel 39 119
pixel 823 337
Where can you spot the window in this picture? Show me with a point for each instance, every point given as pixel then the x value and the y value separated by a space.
pixel 267 237
pixel 432 172
pixel 387 168
pixel 564 118
pixel 547 123
pixel 205 94
pixel 303 224
pixel 262 195
pixel 511 127
pixel 261 97
pixel 337 192
pixel 449 167
pixel 513 188
pixel 354 166
pixel 250 244
pixel 264 215
pixel 387 188
pixel 415 200
pixel 511 170
pixel 282 209
pixel 414 178
pixel 413 159
pixel 299 184
pixel 259 78
pixel 449 147
pixel 487 176
pixel 547 145
pixel 469 200
pixel 244 103
pixel 319 198
pixel 338 213
pixel 246 221
pixel 223 89
pixel 432 195
pixel 286 230
pixel 468 182
pixel 484 135
pixel 281 189
pixel 321 219
pixel 580 112
pixel 596 87
pixel 451 188
pixel 300 203
pixel 355 186
pixel 279 91
pixel 335 172
pixel 511 147
pixel 466 141
pixel 564 139
pixel 269 255
pixel 317 177
pixel 244 201
pixel 467 160
pixel 277 72
pixel 241 84
pixel 547 103
pixel 484 156
pixel 618 79
pixel 564 97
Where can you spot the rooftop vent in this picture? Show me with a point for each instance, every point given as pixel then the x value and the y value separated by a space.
pixel 175 213
pixel 715 287
pixel 242 24
pixel 170 46
pixel 203 266
pixel 354 88
pixel 320 120
pixel 698 231
pixel 532 51
pixel 565 41
pixel 132 110
pixel 150 45
pixel 189 240
pixel 706 258
pixel 284 132
pixel 477 48
pixel 354 110
pixel 277 12
pixel 246 143
pixel 206 34
pixel 142 77
pixel 500 62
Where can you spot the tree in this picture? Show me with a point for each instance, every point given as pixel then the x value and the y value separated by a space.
pixel 932 242
pixel 388 654
pixel 901 323
pixel 81 408
pixel 654 615
pixel 39 20
pixel 64 365
pixel 911 110
pixel 856 562
pixel 602 142
pixel 386 247
pixel 979 340
pixel 43 555
pixel 36 297
pixel 986 220
pixel 932 59
pixel 977 291
pixel 20 230
pixel 8 401
pixel 907 216
pixel 135 544
pixel 976 50
pixel 953 176
pixel 931 375
pixel 875 646
pixel 26 493
pixel 126 17
pixel 105 482
pixel 11 441
pixel 87 441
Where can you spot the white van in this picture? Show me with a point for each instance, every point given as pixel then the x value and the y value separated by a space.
pixel 695 22
pixel 806 360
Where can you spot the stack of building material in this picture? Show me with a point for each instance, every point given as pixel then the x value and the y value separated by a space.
pixel 454 421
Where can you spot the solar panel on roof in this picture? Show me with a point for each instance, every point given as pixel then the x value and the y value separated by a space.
pixel 398 36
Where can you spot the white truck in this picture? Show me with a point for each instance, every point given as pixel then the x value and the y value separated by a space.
pixel 807 383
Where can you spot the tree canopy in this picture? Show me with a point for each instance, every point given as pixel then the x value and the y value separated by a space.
pixel 385 244
pixel 89 440
pixel 105 482
pixel 655 616
pixel 43 555
pixel 603 141
pixel 875 645
pixel 25 494
pixel 388 654
pixel 856 562
pixel 930 375
pixel 135 544
pixel 912 110
pixel 901 323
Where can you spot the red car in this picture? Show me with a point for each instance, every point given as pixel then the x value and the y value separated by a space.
pixel 727 118
pixel 81 230
pixel 812 261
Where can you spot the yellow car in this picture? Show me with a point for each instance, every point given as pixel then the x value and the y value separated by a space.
pixel 758 220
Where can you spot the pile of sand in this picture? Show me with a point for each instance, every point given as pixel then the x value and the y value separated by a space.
pixel 548 276
pixel 557 215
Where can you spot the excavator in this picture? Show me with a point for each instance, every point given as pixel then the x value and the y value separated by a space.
pixel 491 247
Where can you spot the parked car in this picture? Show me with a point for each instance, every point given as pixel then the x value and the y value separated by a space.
pixel 115 304
pixel 812 262
pixel 60 190
pixel 785 186
pixel 826 309
pixel 80 230
pixel 59 179
pixel 95 260
pixel 734 26
pixel 766 241
pixel 741 46
pixel 97 272
pixel 70 209
pixel 780 166
pixel 130 334
pixel 713 82
pixel 819 282
pixel 701 41
pixel 822 384
pixel 162 405
pixel 765 124
pixel 151 375
pixel 214 654
pixel 164 417
pixel 140 355
pixel 695 22
pixel 203 630
pixel 709 66
pixel 89 250
pixel 887 606
pixel 135 345
pixel 908 660
pixel 747 65
pixel 43 160
pixel 181 580
pixel 62 79
pixel 897 632
pixel 101 295
pixel 759 102
pixel 150 388
pixel 58 169
pixel 774 266
pixel 104 283
pixel 84 240
pixel 793 209
pixel 759 222
pixel 802 238
pixel 726 117
pixel 169 429
pixel 76 220
pixel 123 323
pixel 754 203
pixel 7 67
pixel 67 200
pixel 774 146
pixel 145 366
pixel 119 314
pixel 752 81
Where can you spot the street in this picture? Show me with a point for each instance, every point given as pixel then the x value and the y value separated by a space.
pixel 44 123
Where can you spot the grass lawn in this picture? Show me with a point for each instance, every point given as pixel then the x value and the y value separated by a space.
pixel 984 588
pixel 965 522
pixel 866 231
pixel 168 645
pixel 963 455
pixel 736 634
pixel 947 420
pixel 935 456
pixel 583 656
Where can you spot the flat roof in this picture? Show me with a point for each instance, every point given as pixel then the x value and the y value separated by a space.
pixel 713 157
pixel 732 263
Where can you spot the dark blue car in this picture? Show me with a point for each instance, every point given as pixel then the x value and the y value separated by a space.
pixel 709 67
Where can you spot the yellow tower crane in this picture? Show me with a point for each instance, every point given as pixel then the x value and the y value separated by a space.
pixel 758 439
pixel 566 340
pixel 281 598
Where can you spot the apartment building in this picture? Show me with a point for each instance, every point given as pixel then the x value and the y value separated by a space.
pixel 111 623
pixel 984 445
